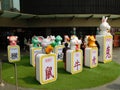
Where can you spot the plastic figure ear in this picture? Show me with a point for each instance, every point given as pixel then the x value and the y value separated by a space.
pixel 16 37
pixel 106 19
pixel 8 37
pixel 40 38
pixel 103 19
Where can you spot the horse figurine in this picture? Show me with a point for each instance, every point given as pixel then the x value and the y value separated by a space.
pixel 104 27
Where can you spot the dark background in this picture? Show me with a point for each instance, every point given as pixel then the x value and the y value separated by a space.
pixel 70 6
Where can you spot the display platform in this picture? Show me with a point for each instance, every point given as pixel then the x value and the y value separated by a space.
pixel 106 48
pixel 74 61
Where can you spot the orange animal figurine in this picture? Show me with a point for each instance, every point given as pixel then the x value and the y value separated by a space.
pixel 91 41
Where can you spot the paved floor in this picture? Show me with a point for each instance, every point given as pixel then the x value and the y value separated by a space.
pixel 114 85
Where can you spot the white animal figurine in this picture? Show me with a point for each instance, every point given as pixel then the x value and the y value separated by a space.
pixel 75 43
pixel 105 27
pixel 51 38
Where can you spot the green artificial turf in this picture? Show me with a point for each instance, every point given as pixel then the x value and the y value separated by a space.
pixel 88 78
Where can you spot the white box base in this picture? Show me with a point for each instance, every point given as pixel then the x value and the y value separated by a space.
pixel 74 61
pixel 58 51
pixel 33 52
pixel 46 68
pixel 91 57
pixel 106 46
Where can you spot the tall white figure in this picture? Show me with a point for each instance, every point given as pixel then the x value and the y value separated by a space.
pixel 104 27
pixel 105 40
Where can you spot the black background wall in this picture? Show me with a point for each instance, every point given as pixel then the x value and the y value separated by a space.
pixel 70 6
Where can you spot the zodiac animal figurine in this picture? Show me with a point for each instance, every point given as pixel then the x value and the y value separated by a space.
pixel 66 40
pixel 48 49
pixel 75 43
pixel 91 41
pixel 47 44
pixel 58 39
pixel 104 27
pixel 36 40
pixel 12 40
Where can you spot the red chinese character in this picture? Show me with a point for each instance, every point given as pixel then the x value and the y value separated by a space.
pixel 93 60
pixel 77 64
pixel 48 71
pixel 108 52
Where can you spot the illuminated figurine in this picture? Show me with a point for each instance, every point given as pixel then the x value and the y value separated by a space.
pixel 36 41
pixel 58 39
pixel 104 27
pixel 91 41
pixel 48 49
pixel 12 40
pixel 75 43
pixel 66 40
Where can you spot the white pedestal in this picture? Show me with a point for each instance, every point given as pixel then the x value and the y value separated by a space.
pixel 74 61
pixel 46 68
pixel 58 51
pixel 106 46
pixel 91 57
pixel 30 46
pixel 33 52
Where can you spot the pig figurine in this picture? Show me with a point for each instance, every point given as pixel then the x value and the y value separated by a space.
pixel 12 40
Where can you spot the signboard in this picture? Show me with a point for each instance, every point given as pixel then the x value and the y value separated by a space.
pixel 58 50
pixel 108 49
pixel 46 68
pixel 94 57
pixel 33 52
pixel 13 53
pixel 106 46
pixel 91 57
pixel 74 61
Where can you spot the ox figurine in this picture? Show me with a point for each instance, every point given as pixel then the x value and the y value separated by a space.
pixel 75 43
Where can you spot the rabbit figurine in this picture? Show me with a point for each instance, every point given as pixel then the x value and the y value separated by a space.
pixel 104 27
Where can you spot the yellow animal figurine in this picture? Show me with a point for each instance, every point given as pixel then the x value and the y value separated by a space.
pixel 91 41
pixel 48 49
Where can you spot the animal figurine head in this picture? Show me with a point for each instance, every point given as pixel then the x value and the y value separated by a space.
pixel 45 42
pixel 46 45
pixel 58 39
pixel 36 40
pixel 91 41
pixel 104 27
pixel 66 38
pixel 48 49
pixel 51 38
pixel 12 40
pixel 75 43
